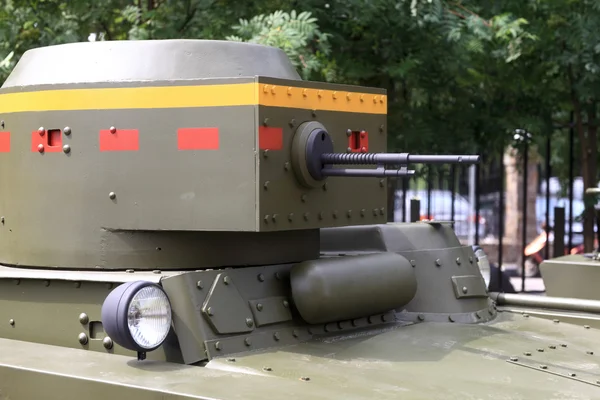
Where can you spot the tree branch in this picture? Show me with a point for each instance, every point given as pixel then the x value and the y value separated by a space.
pixel 485 21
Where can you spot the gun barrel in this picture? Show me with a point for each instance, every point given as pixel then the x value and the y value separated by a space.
pixel 398 158
pixel 360 173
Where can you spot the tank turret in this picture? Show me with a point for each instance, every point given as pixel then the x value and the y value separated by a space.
pixel 197 205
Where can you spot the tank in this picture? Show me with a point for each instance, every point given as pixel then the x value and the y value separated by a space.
pixel 188 219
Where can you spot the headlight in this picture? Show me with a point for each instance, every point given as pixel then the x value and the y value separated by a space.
pixel 137 315
pixel 483 262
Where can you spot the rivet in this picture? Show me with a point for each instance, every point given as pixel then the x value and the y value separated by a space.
pixel 555 321
pixel 67 130
pixel 552 346
pixel 129 271
pixel 591 353
pixel 563 345
pixel 363 149
pixel 276 336
pixel 375 212
pixel 381 128
pixel 261 277
pixel 321 215
pixel 458 260
pixel 295 333
pixel 41 148
pixel 231 359
pixel 249 322
pixel 306 214
pixel 107 343
pixel 381 183
pixel 76 285
pixel 348 132
pixel 11 322
pixel 83 339
pixel 2 123
pixel 290 217
pixel 438 262
pixel 514 359
pixel 83 318
pixel 335 214
pixel 586 326
pixel 572 374
pixel 289 91
pixel 543 366
pixel 349 213
pixel 362 97
pixel 363 134
pixel 314 113
pixel 273 89
pixel 226 280
pixel 269 369
pixel 278 277
pixel 156 271
pixel 381 99
pixel 325 186
pixel 266 153
pixel 259 307
pixel 46 283
pixel 2 219
pixel 465 289
pixel 199 285
pixel 210 311
pixel 305 92
pixel 374 99
pixel 303 198
pixel 471 260
pixel 266 121
pixel 305 378
pixel 413 263
pixel 247 341
pixel 527 353
pixel 348 150
pixel 382 211
pixel 67 148
pixel 334 95
pixel 266 185
pixel 274 217
pixel 362 212
pixel 286 304
pixel 354 322
pixel 112 195
pixel 292 123
pixel 450 318
pixel 41 131
pixel 526 315
pixel 266 219
pixel 218 345
pixel 421 317
pixel 348 96
pixel 540 350
pixel 113 129
pixel 286 166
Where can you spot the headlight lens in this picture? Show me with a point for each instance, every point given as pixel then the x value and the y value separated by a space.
pixel 137 315
pixel 149 317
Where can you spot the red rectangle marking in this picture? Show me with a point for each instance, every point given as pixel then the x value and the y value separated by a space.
pixel 4 142
pixel 39 141
pixel 120 140
pixel 270 138
pixel 198 138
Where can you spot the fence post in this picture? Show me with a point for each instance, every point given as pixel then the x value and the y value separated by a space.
pixel 415 210
pixel 559 232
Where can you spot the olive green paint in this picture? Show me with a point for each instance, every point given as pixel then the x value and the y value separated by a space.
pixel 573 275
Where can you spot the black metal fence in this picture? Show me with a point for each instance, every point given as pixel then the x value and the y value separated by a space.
pixel 475 198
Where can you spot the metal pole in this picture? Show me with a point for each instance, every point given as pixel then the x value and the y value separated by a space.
pixel 548 172
pixel 559 303
pixel 477 203
pixel 559 232
pixel 404 179
pixel 501 217
pixel 524 204
pixel 453 190
pixel 470 224
pixel 571 179
pixel 429 179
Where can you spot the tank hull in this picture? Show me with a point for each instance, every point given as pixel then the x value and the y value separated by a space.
pixel 407 360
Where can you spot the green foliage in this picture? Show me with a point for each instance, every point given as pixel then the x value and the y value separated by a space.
pixel 297 35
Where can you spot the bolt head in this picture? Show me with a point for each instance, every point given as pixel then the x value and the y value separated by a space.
pixel 199 285
pixel 112 195
pixel 41 148
pixel 249 322
pixel 83 318
pixel 11 322
pixel 259 307
pixel 67 130
pixel 514 359
pixel 83 339
pixel 67 148
pixel 276 336
pixel 465 289
pixel 113 129
pixel 41 131
pixel 107 343
pixel 247 341
pixel 261 277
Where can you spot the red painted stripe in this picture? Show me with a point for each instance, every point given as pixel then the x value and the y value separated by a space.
pixel 4 142
pixel 56 141
pixel 270 138
pixel 198 138
pixel 121 140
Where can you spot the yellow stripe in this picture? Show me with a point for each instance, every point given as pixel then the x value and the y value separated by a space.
pixel 321 99
pixel 191 96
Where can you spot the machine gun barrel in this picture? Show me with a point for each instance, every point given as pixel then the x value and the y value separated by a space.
pixel 399 159
pixel 328 160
